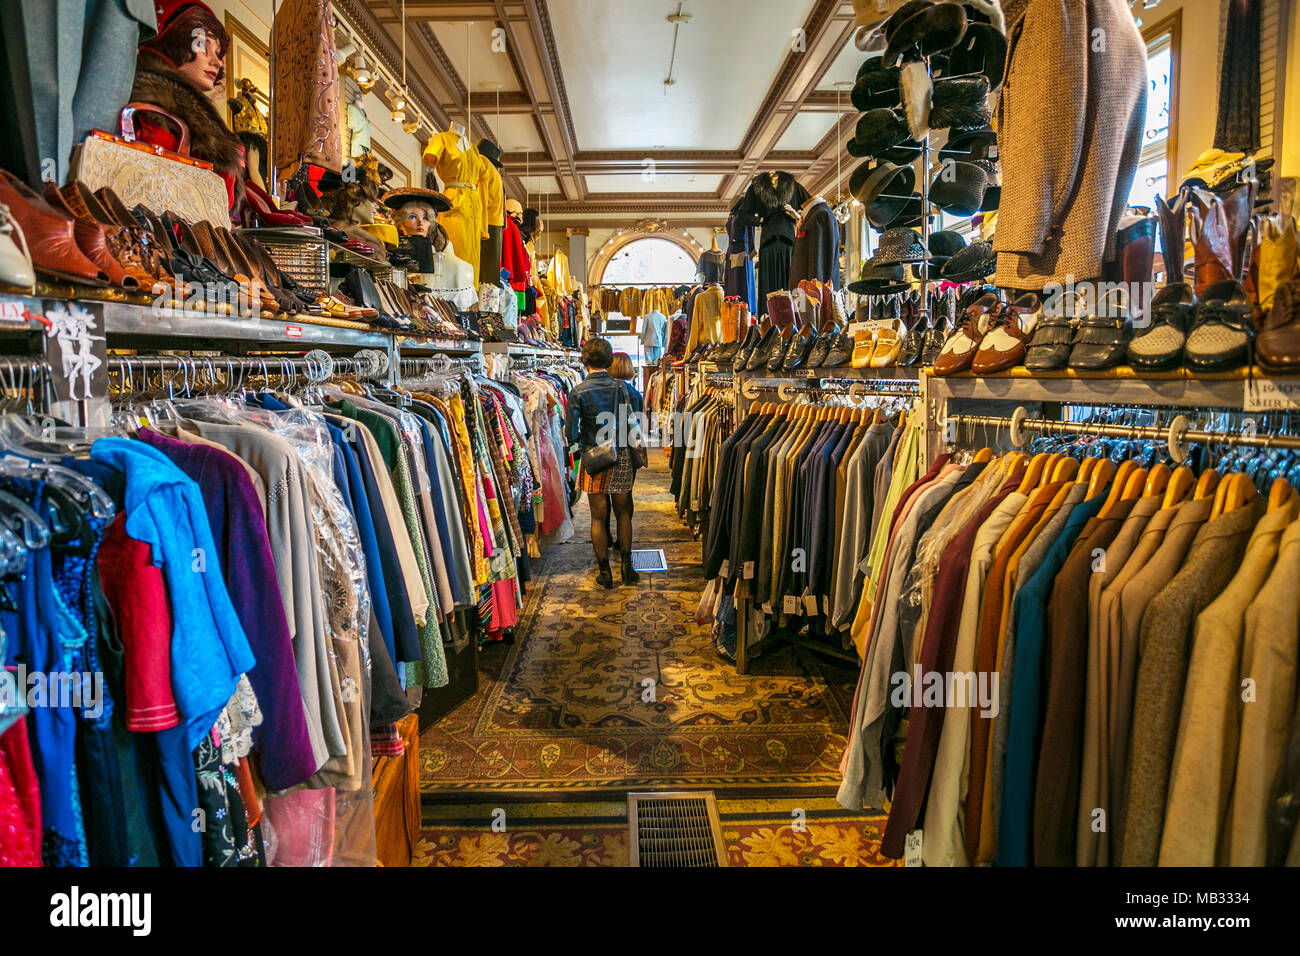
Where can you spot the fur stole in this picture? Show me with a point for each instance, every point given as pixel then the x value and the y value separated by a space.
pixel 158 83
pixel 768 197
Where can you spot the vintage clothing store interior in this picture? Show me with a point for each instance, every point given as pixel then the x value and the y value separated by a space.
pixel 965 520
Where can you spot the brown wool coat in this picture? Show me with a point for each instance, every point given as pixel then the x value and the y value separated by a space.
pixel 1070 124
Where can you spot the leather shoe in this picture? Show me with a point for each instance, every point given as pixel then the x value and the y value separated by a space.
pixel 841 352
pixel 1221 333
pixel 763 351
pixel 1009 330
pixel 1101 341
pixel 963 345
pixel 51 236
pixel 800 348
pixel 1277 347
pixel 1159 347
pixel 779 350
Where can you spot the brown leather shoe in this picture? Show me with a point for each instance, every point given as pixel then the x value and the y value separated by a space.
pixel 964 344
pixel 1009 330
pixel 1277 345
pixel 92 241
pixel 51 235
pixel 123 245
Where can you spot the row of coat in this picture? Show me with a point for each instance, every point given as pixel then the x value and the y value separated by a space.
pixel 265 596
pixel 1056 673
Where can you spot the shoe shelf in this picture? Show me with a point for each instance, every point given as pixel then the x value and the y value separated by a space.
pixel 1121 386
pixel 141 325
pixel 519 348
pixel 844 372
pixel 426 343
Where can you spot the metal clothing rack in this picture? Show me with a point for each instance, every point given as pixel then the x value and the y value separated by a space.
pixel 25 381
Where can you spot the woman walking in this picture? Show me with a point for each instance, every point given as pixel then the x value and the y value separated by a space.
pixel 599 426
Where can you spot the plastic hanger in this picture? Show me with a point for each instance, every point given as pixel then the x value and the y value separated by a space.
pixel 36 533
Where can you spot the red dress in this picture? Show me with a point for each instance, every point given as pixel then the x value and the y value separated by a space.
pixel 20 800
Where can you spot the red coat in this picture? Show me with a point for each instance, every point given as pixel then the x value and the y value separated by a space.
pixel 514 256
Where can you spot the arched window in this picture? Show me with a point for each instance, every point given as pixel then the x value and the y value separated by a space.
pixel 650 260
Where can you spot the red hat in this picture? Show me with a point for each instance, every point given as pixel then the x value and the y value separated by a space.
pixel 169 10
pixel 183 15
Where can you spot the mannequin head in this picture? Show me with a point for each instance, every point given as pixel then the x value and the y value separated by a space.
pixel 415 218
pixel 193 41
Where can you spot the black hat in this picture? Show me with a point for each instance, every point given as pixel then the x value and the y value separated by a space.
pixel 992 196
pixel 971 264
pixel 397 198
pixel 876 86
pixel 897 246
pixel 945 244
pixel 877 130
pixel 961 102
pixel 490 151
pixel 959 187
pixel 904 154
pixel 883 190
pixel 922 31
pixel 872 279
pixel 909 215
pixel 971 144
pixel 982 49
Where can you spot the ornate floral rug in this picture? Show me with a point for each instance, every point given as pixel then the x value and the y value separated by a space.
pixel 621 689
pixel 753 838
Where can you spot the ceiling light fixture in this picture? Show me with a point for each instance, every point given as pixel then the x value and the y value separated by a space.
pixel 676 19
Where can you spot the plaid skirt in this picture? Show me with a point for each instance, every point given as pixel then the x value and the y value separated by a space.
pixel 612 481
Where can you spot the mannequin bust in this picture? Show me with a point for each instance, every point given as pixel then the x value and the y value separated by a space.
pixel 460 131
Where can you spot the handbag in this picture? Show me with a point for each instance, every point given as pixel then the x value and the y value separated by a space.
pixel 144 174
pixel 599 458
pixel 636 443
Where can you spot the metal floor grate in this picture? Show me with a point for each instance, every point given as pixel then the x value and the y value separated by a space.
pixel 649 560
pixel 675 830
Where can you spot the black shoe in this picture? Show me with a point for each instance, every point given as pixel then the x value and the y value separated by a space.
pixel 763 350
pixel 1222 332
pixel 746 349
pixel 604 576
pixel 626 571
pixel 800 349
pixel 783 346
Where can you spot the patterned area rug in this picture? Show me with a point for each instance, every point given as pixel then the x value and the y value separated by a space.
pixel 606 691
pixel 597 835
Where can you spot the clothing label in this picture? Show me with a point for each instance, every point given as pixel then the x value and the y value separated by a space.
pixel 767 608
pixel 791 604
pixel 748 570
pixel 1267 395
pixel 809 604
pixel 912 849
pixel 725 570
pixel 293 331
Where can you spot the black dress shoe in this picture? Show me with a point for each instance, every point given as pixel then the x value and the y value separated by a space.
pixel 1101 340
pixel 825 342
pixel 800 348
pixel 763 351
pixel 783 345
pixel 910 352
pixel 932 343
pixel 1222 332
pixel 746 348
pixel 841 352
pixel 1159 346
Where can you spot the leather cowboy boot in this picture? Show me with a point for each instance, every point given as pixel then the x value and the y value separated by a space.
pixel 1212 248
pixel 1172 218
pixel 1239 205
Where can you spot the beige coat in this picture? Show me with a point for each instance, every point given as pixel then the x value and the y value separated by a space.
pixel 1269 658
pixel 1070 123
pixel 1205 755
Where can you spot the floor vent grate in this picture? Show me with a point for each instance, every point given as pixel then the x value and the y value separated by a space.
pixel 675 830
pixel 649 560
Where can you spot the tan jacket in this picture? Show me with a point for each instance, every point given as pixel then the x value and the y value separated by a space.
pixel 1070 123
pixel 1162 672
pixel 1205 754
pixel 1268 657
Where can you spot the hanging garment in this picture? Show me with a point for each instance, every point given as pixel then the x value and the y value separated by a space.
pixel 771 202
pixel 739 277
pixel 306 88
pixel 464 175
pixel 816 253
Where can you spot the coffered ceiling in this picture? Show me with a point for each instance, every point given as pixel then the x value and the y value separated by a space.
pixel 574 93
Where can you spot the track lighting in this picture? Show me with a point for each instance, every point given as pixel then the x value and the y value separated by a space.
pixel 365 79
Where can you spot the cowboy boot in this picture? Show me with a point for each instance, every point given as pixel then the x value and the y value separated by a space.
pixel 1212 250
pixel 1173 235
pixel 1239 205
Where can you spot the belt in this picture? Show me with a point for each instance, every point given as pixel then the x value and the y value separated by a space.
pixel 455 185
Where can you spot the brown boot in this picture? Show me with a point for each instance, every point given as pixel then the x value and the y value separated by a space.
pixel 1173 235
pixel 1213 250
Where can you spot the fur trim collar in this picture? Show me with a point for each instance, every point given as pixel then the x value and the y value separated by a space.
pixel 157 82
pixel 991 9
pixel 771 196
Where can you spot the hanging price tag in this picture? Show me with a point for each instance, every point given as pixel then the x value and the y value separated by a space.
pixel 912 849
pixel 809 604
pixel 725 570
pixel 791 605
pixel 749 570
pixel 1268 395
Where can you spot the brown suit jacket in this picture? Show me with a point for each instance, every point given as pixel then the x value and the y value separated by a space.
pixel 1162 671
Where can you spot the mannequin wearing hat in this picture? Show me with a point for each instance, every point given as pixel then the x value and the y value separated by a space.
pixel 174 77
pixel 416 213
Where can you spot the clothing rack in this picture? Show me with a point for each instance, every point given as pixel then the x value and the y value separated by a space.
pixel 1177 435
pixel 25 379
pixel 316 367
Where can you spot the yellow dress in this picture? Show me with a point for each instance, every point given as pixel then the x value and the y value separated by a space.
pixel 463 178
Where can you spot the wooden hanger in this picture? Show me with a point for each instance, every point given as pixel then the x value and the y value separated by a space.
pixel 1280 494
pixel 1157 479
pixel 1012 461
pixel 1118 482
pixel 1135 487
pixel 1085 470
pixel 1181 482
pixel 1233 492
pixel 1206 484
pixel 984 454
pixel 755 408
pixel 1033 473
pixel 1102 476
pixel 1065 469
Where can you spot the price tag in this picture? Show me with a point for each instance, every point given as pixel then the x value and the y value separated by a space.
pixel 1268 395
pixel 912 849
pixel 725 570
pixel 293 331
pixel 748 570
pixel 767 608
pixel 809 604
pixel 791 605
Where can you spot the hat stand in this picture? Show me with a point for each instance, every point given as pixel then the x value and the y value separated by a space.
pixel 923 313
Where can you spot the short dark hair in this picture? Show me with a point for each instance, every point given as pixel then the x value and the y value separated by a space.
pixel 598 353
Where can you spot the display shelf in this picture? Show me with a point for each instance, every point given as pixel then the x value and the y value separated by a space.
pixel 519 348
pixel 1122 386
pixel 840 372
pixel 140 324
pixel 422 343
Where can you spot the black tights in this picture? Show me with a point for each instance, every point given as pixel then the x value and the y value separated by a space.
pixel 600 507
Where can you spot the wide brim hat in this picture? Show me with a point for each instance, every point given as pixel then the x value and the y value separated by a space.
pixel 883 190
pixel 943 245
pixel 876 86
pixel 972 264
pixel 958 187
pixel 872 278
pixel 923 31
pixel 982 49
pixel 898 246
pixel 960 103
pixel 904 154
pixel 909 215
pixel 877 130
pixel 399 197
